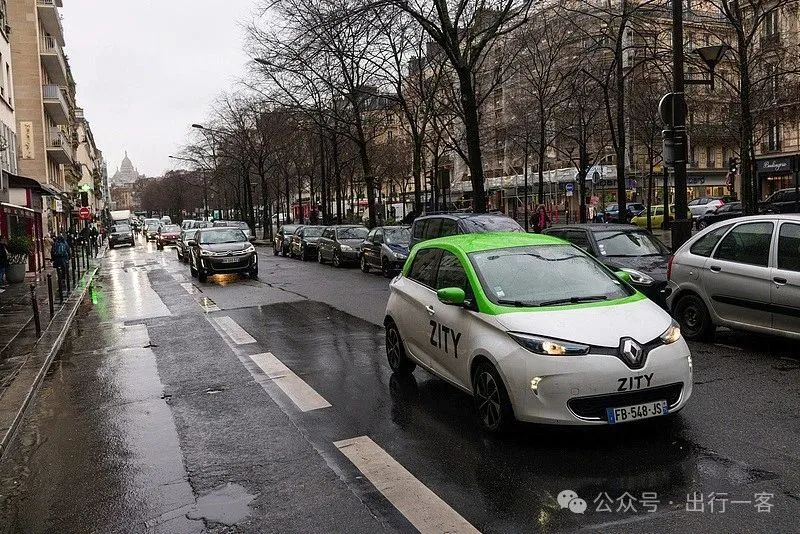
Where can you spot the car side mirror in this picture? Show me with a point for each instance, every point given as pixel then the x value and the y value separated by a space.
pixel 191 243
pixel 452 296
pixel 624 276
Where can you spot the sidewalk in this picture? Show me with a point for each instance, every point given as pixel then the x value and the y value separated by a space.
pixel 24 357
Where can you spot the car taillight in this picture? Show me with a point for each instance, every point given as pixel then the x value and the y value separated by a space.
pixel 669 267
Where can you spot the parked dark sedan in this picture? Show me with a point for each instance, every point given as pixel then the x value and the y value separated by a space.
pixel 341 244
pixel 121 234
pixel 731 210
pixel 222 250
pixel 781 201
pixel 283 237
pixel 444 224
pixel 611 213
pixel 303 242
pixel 385 248
pixel 624 247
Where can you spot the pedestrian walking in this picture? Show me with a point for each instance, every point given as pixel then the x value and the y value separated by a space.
pixel 540 219
pixel 3 260
pixel 93 234
pixel 61 255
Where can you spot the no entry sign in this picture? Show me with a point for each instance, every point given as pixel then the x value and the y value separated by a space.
pixel 84 214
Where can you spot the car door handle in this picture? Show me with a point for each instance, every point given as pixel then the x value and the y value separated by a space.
pixel 715 268
pixel 780 281
pixel 430 309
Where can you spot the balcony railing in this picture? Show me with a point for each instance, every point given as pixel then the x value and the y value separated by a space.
pixel 53 58
pixel 57 139
pixel 50 17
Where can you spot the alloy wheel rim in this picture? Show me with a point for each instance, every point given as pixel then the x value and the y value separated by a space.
pixel 393 348
pixel 488 396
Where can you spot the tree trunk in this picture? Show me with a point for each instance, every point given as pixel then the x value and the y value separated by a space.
pixel 650 157
pixel 417 171
pixel 621 137
pixel 583 159
pixel 526 200
pixel 337 174
pixel 473 134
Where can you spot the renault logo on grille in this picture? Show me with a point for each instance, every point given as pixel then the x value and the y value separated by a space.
pixel 631 351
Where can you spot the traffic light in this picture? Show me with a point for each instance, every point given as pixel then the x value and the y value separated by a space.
pixel 733 165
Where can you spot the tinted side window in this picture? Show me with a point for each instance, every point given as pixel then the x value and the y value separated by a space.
pixel 451 272
pixel 789 247
pixel 432 228
pixel 417 229
pixel 579 239
pixel 747 243
pixel 705 245
pixel 449 227
pixel 378 237
pixel 371 234
pixel 424 268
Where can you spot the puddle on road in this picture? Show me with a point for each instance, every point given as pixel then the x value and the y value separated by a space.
pixel 228 504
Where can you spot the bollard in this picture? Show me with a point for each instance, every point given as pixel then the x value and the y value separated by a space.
pixel 61 283
pixel 50 294
pixel 72 261
pixel 66 277
pixel 35 305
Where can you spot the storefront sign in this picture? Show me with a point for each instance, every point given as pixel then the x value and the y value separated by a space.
pixel 59 205
pixel 774 165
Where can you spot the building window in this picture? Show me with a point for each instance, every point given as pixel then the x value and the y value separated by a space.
pixel 774 136
pixel 771 24
pixel 711 158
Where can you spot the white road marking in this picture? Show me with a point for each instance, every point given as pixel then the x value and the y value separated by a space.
pixel 301 394
pixel 237 334
pixel 178 277
pixel 189 288
pixel 422 507
pixel 208 305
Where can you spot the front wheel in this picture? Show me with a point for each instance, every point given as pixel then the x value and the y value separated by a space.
pixel 192 270
pixel 396 352
pixel 491 399
pixel 337 260
pixel 692 314
pixel 274 250
pixel 364 265
pixel 159 246
pixel 386 268
pixel 202 276
pixel 701 225
pixel 319 257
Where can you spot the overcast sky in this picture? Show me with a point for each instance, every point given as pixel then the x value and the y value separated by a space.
pixel 145 70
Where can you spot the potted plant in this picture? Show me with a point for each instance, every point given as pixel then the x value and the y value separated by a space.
pixel 19 248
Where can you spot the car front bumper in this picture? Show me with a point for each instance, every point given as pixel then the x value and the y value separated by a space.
pixel 218 264
pixel 350 256
pixel 576 390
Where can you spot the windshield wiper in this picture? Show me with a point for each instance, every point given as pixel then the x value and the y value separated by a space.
pixel 515 303
pixel 573 300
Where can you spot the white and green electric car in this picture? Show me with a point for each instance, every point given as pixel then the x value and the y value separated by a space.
pixel 536 330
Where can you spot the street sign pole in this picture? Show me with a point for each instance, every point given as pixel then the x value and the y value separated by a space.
pixel 681 227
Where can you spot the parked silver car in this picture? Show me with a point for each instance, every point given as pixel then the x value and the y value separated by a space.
pixel 742 273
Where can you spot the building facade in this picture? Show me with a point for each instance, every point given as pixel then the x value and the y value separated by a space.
pixel 44 98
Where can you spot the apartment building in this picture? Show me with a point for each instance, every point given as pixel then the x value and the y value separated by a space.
pixel 777 136
pixel 88 166
pixel 44 98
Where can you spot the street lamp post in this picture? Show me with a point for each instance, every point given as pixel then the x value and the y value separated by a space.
pixel 205 183
pixel 711 55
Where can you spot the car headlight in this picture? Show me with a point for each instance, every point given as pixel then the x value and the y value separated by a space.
pixel 249 249
pixel 204 252
pixel 672 334
pixel 549 347
pixel 345 248
pixel 638 277
pixel 401 256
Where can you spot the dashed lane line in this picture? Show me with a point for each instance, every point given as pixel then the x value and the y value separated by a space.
pixel 301 394
pixel 421 506
pixel 236 333
pixel 189 287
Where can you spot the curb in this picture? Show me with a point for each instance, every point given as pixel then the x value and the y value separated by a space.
pixel 10 418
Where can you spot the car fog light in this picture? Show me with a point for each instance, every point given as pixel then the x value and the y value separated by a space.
pixel 535 384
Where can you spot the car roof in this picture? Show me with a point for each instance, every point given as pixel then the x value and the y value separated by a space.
pixel 461 215
pixel 394 226
pixel 794 217
pixel 597 227
pixel 469 243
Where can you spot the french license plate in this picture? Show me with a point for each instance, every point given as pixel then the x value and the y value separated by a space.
pixel 230 260
pixel 627 414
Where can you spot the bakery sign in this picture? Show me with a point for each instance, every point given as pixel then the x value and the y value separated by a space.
pixel 774 165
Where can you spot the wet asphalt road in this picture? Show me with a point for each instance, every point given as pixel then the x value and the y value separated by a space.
pixel 158 417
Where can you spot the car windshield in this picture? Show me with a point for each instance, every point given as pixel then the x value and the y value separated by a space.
pixel 232 224
pixel 120 228
pixel 397 236
pixel 352 233
pixel 629 243
pixel 489 223
pixel 170 229
pixel 223 235
pixel 313 231
pixel 152 226
pixel 547 275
